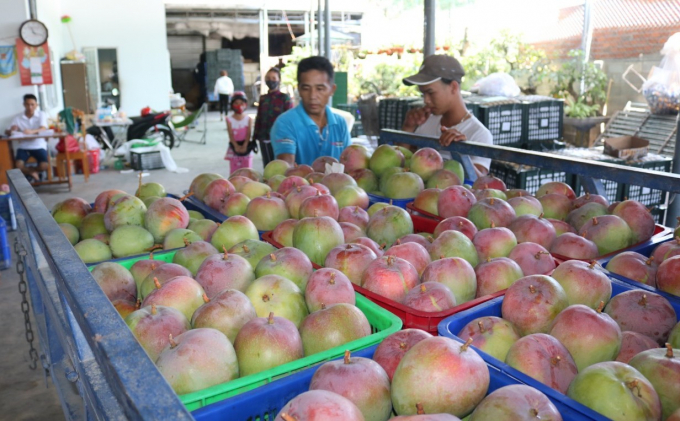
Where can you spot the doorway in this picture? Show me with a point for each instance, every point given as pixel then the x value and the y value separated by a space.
pixel 108 76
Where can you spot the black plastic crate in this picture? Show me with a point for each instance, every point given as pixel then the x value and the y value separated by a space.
pixel 505 122
pixel 142 161
pixel 392 111
pixel 659 215
pixel 543 120
pixel 526 177
pixel 645 195
pixel 611 188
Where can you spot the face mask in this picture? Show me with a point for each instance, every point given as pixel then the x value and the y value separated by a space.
pixel 239 109
pixel 272 84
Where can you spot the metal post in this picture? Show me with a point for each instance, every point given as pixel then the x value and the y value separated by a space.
pixel 312 30
pixel 319 22
pixel 327 29
pixel 587 36
pixel 264 48
pixel 674 201
pixel 428 46
pixel 307 27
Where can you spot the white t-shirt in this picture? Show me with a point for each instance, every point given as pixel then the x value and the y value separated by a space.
pixel 472 128
pixel 224 86
pixel 38 120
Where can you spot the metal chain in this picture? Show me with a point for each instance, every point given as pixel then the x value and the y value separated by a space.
pixel 23 288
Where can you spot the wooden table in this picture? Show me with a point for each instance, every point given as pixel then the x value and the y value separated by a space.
pixel 7 158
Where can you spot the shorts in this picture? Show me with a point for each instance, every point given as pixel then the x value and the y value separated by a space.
pixel 40 155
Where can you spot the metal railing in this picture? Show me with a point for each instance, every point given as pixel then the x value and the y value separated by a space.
pixel 99 368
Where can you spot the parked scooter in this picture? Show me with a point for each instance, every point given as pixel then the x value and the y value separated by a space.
pixel 151 125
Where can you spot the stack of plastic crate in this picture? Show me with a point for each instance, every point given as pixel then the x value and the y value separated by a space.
pixel 392 111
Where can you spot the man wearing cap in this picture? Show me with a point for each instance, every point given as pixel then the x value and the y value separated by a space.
pixel 445 114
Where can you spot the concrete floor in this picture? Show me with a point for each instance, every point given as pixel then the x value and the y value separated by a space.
pixel 24 393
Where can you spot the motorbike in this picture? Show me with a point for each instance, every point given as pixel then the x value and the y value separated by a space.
pixel 151 125
pixel 148 125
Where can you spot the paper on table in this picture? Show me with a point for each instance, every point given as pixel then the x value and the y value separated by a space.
pixel 45 133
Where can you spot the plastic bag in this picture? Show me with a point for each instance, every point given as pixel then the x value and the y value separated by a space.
pixel 498 84
pixel 662 88
pixel 70 143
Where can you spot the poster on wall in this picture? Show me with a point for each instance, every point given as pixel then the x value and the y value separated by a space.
pixel 34 64
pixel 8 61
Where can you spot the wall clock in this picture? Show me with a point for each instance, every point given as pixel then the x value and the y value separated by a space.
pixel 33 32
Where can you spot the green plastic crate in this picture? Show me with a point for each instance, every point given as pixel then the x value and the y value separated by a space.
pixel 383 323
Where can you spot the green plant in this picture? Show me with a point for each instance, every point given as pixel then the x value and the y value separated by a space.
pixel 568 86
pixel 509 54
pixel 579 109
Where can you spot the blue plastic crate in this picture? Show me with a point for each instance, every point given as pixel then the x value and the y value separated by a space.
pixel 374 198
pixel 7 212
pixel 646 249
pixel 5 252
pixel 452 325
pixel 191 203
pixel 266 402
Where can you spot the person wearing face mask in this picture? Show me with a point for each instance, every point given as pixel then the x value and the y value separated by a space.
pixel 239 153
pixel 272 104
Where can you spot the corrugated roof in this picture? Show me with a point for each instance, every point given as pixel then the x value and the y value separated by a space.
pixel 609 14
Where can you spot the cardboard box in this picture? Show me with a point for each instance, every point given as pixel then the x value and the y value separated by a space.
pixel 626 147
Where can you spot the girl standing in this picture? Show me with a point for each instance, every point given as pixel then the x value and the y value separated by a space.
pixel 239 153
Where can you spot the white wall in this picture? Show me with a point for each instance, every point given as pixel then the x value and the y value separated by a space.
pixel 137 30
pixel 13 13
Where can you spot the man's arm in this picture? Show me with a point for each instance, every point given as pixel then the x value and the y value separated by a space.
pixel 288 157
pixel 414 118
pixel 284 140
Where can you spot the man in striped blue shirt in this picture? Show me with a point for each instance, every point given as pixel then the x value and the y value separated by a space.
pixel 311 129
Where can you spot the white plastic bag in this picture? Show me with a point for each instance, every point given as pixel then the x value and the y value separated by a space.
pixel 498 84
pixel 662 88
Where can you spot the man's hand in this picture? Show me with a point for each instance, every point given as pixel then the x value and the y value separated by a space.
pixel 450 135
pixel 414 118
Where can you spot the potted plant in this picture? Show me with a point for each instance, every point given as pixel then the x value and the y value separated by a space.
pixel 583 107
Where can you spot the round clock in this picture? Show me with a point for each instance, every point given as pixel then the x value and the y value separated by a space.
pixel 33 32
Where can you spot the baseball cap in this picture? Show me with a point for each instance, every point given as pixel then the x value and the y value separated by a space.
pixel 434 68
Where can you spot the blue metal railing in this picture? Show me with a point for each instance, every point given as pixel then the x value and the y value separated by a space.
pixel 590 172
pixel 84 341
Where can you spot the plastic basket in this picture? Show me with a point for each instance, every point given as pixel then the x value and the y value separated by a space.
pixel 374 198
pixel 5 252
pixel 383 324
pixel 141 161
pixel 410 317
pixel 452 325
pixel 206 210
pixel 645 195
pixel 526 177
pixel 661 234
pixel 543 120
pixel 659 215
pixel 7 211
pixel 611 188
pixel 266 402
pixel 505 122
pixel 392 111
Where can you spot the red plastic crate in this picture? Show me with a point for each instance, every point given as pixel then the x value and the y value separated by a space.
pixel 412 209
pixel 411 318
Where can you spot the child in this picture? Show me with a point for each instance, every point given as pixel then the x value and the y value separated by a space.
pixel 239 128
